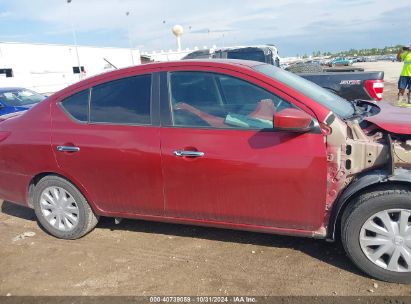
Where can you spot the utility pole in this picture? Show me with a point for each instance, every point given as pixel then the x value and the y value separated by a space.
pixel 75 39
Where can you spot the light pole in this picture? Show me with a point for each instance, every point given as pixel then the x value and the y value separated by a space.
pixel 75 40
pixel 129 38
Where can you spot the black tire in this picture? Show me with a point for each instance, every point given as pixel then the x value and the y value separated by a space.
pixel 87 220
pixel 358 212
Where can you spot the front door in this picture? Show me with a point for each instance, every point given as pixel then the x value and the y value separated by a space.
pixel 106 141
pixel 223 162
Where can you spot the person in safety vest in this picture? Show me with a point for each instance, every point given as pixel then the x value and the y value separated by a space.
pixel 404 54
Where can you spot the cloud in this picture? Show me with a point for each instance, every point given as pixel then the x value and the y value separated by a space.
pixel 5 14
pixel 295 26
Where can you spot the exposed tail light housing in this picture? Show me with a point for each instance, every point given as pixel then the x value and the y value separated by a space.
pixel 375 88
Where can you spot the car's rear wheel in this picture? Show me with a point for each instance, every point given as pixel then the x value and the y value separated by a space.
pixel 61 209
pixel 376 233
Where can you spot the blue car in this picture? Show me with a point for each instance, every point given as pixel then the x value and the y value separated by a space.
pixel 18 99
pixel 340 61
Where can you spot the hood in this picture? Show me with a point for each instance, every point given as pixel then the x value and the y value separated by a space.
pixel 393 119
pixel 11 115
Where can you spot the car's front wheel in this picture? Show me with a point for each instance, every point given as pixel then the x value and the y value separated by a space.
pixel 61 209
pixel 376 233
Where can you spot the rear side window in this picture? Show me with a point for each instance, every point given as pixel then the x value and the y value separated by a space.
pixel 123 101
pixel 77 105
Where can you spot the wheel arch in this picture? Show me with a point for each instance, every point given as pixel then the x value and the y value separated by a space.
pixel 34 181
pixel 364 183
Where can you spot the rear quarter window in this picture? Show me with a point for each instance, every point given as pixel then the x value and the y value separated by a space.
pixel 77 106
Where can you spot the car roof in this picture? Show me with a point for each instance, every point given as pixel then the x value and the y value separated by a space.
pixel 202 62
pixel 153 66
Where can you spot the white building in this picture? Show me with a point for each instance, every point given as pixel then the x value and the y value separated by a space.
pixel 47 68
pixel 170 55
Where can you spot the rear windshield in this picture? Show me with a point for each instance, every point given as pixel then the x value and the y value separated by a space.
pixel 336 104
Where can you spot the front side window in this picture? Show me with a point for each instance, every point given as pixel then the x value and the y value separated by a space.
pixel 77 105
pixel 201 99
pixel 123 101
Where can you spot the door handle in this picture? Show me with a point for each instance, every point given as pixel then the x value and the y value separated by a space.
pixel 68 149
pixel 180 153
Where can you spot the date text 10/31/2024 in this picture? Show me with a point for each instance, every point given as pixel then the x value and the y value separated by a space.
pixel 202 299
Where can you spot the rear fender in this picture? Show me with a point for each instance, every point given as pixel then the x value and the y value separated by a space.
pixel 360 184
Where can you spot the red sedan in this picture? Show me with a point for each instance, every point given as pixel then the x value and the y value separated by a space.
pixel 233 144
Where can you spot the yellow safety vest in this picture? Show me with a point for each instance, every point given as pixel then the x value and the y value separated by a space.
pixel 406 57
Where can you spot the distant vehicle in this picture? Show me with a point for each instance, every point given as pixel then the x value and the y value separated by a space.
pixel 371 59
pixel 340 61
pixel 280 154
pixel 391 58
pixel 348 83
pixel 200 54
pixel 261 53
pixel 18 99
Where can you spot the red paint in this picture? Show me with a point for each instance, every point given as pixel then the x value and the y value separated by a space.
pixel 393 118
pixel 249 177
pixel 253 180
pixel 119 166
pixel 292 119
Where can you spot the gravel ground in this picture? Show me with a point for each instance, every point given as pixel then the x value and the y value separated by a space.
pixel 145 258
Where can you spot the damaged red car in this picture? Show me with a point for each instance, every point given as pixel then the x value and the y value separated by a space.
pixel 231 144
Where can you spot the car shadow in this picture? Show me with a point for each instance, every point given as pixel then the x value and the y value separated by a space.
pixel 18 211
pixel 330 253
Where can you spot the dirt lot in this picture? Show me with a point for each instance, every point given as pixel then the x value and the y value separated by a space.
pixel 144 258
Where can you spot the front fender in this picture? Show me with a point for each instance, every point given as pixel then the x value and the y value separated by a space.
pixel 361 183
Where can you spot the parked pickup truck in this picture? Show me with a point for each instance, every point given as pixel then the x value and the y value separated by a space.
pixel 349 85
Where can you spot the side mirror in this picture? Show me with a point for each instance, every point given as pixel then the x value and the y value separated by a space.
pixel 293 120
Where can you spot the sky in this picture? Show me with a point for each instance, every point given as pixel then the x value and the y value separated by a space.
pixel 295 27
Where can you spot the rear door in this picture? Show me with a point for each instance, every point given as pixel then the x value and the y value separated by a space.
pixel 223 162
pixel 106 139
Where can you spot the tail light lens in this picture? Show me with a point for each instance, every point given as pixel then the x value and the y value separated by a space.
pixel 375 88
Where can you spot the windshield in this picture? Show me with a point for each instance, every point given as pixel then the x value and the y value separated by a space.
pixel 20 97
pixel 338 105
pixel 256 55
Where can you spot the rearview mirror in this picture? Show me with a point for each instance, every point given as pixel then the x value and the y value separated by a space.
pixel 292 119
